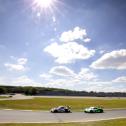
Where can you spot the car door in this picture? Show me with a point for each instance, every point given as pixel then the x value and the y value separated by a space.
pixel 62 109
pixel 95 109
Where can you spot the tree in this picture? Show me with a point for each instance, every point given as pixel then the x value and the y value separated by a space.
pixel 3 90
pixel 30 90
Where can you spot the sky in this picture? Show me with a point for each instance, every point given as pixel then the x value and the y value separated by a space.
pixel 70 44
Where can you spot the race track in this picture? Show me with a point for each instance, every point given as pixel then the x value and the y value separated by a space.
pixel 20 116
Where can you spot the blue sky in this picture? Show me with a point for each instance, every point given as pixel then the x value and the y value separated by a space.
pixel 71 44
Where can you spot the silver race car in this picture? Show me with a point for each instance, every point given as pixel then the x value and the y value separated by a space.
pixel 61 109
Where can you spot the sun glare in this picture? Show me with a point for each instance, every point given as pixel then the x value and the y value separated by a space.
pixel 43 3
pixel 46 7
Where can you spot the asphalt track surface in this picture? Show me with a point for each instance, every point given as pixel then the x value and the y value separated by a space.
pixel 23 116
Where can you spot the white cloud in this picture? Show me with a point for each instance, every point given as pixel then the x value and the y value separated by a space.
pixel 100 86
pixel 45 76
pixel 113 60
pixel 76 34
pixel 121 79
pixel 75 84
pixel 18 66
pixel 87 75
pixel 66 83
pixel 24 81
pixel 102 51
pixel 61 83
pixel 86 79
pixel 87 40
pixel 2 80
pixel 22 61
pixel 18 81
pixel 69 52
pixel 62 71
pixel 64 77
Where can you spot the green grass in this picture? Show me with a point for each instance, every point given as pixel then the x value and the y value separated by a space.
pixel 4 97
pixel 77 104
pixel 116 122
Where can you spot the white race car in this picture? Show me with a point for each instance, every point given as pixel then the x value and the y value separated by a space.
pixel 94 110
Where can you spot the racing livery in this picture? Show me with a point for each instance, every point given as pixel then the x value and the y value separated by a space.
pixel 93 110
pixel 61 109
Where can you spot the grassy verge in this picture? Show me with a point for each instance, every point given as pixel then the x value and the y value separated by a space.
pixel 47 103
pixel 4 97
pixel 116 122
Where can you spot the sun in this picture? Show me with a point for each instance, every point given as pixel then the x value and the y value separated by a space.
pixel 45 7
pixel 43 3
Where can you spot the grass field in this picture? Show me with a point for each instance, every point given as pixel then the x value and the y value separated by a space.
pixel 4 97
pixel 116 122
pixel 76 104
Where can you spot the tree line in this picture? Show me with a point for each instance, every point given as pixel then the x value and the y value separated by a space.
pixel 29 90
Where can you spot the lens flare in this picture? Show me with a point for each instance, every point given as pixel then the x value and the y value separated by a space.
pixel 46 8
pixel 43 3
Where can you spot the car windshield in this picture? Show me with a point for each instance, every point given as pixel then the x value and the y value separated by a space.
pixel 92 107
pixel 61 107
pixel 95 108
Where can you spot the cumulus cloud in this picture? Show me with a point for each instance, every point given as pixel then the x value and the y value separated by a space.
pixel 18 66
pixel 102 51
pixel 71 83
pixel 76 34
pixel 61 83
pixel 45 76
pixel 69 52
pixel 87 75
pixel 22 61
pixel 113 60
pixel 87 40
pixel 2 80
pixel 24 81
pixel 82 85
pixel 64 77
pixel 62 71
pixel 85 79
pixel 121 79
